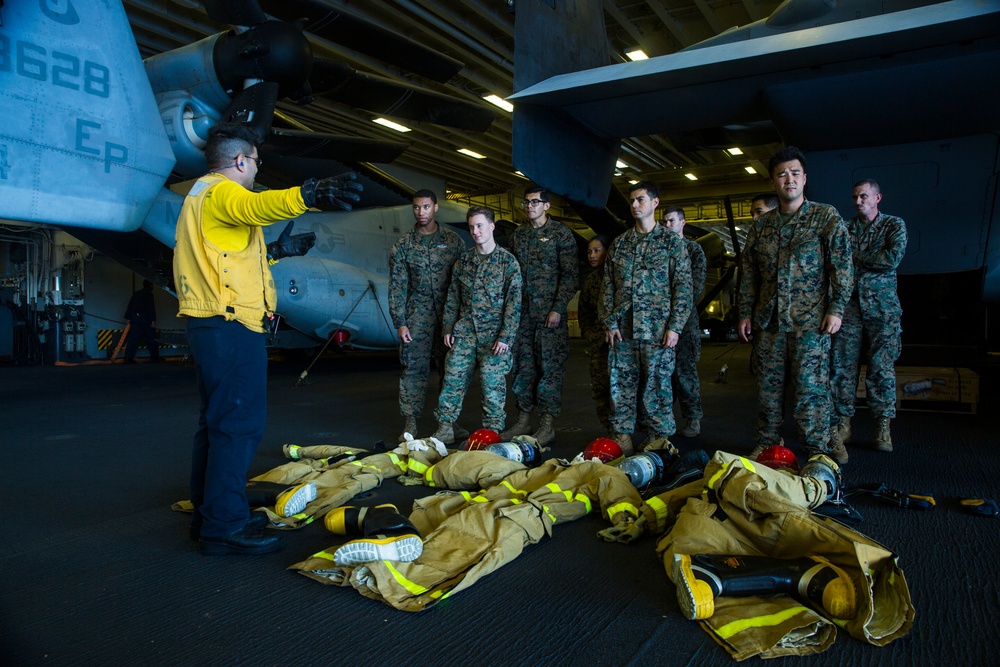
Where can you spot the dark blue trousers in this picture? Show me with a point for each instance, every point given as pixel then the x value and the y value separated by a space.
pixel 231 364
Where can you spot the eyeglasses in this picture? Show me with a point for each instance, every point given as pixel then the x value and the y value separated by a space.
pixel 255 159
pixel 531 203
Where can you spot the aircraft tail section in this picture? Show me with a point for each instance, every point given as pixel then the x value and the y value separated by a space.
pixel 554 37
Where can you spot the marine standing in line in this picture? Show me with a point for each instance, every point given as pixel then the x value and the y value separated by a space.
pixel 226 292
pixel 795 285
pixel 878 243
pixel 593 331
pixel 480 321
pixel 546 251
pixel 420 266
pixel 689 344
pixel 645 302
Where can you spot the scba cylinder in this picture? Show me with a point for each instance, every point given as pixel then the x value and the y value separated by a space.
pixel 643 469
pixel 517 450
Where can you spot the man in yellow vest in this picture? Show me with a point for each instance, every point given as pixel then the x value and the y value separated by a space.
pixel 226 291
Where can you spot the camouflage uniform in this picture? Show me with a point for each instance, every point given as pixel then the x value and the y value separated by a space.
pixel 593 333
pixel 483 307
pixel 419 269
pixel 549 268
pixel 873 311
pixel 646 291
pixel 794 274
pixel 688 350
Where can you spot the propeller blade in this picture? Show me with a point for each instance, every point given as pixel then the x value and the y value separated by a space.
pixel 364 36
pixel 340 82
pixel 235 12
pixel 300 144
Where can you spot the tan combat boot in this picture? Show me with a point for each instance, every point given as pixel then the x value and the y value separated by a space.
pixel 521 427
pixel 410 427
pixel 845 429
pixel 883 439
pixel 445 433
pixel 545 435
pixel 838 452
pixel 624 441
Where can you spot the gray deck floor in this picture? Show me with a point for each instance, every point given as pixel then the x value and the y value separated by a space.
pixel 95 569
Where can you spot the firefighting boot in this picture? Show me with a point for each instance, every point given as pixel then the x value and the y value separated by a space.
pixel 521 427
pixel 287 500
pixel 624 441
pixel 701 578
pixel 409 428
pixel 883 439
pixel 388 535
pixel 445 433
pixel 545 435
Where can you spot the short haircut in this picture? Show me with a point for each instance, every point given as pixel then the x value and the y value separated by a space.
pixel 481 210
pixel 226 141
pixel 602 239
pixel 870 182
pixel 424 194
pixel 786 154
pixel 770 199
pixel 543 194
pixel 674 209
pixel 648 186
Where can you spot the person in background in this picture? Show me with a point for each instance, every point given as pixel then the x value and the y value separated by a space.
pixel 593 332
pixel 141 317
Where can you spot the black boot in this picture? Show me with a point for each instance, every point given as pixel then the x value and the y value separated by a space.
pixel 701 578
pixel 388 535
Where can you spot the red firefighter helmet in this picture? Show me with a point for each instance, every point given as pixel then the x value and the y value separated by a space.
pixel 777 457
pixel 605 449
pixel 480 439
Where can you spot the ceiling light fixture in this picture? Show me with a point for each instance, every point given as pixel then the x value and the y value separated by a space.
pixel 636 54
pixel 690 176
pixel 384 122
pixel 633 182
pixel 621 165
pixel 750 170
pixel 498 101
pixel 466 151
pixel 734 151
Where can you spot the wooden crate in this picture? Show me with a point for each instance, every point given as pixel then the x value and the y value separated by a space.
pixel 931 389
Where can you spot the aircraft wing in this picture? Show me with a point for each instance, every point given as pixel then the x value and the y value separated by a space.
pixel 920 66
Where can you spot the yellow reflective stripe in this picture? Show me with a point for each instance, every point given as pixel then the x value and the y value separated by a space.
pixel 413 587
pixel 302 516
pixel 554 488
pixel 398 462
pixel 628 508
pixel 418 467
pixel 483 499
pixel 324 554
pixel 545 508
pixel 768 620
pixel 747 463
pixel 581 498
pixel 516 492
pixel 467 495
pixel 429 477
pixel 660 510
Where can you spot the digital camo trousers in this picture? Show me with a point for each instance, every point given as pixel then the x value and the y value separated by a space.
pixel 600 381
pixel 540 356
pixel 688 352
pixel 883 348
pixel 640 378
pixel 415 362
pixel 465 355
pixel 805 358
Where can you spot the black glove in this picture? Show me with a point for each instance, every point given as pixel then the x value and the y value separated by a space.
pixel 334 193
pixel 290 246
